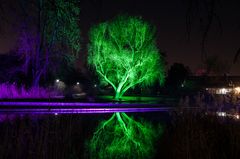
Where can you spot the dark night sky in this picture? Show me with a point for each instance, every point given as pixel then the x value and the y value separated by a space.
pixel 169 18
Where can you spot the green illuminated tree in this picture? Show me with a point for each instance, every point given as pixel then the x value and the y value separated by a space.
pixel 124 53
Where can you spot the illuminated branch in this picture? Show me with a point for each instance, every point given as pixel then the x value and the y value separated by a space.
pixel 105 78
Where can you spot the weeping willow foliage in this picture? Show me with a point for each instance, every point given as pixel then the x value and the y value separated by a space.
pixel 122 137
pixel 124 53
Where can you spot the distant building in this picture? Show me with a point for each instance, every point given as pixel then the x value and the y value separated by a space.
pixel 215 84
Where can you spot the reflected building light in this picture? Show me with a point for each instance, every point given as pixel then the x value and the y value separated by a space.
pixel 223 91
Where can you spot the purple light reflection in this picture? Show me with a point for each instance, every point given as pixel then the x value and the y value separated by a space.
pixel 75 108
pixel 80 110
pixel 72 104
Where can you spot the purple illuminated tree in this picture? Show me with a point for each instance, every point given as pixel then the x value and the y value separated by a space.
pixel 50 34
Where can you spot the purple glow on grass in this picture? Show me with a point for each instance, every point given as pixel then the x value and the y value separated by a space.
pixel 12 91
pixel 74 108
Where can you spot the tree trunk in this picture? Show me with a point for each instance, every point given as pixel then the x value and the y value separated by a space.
pixel 36 79
pixel 118 93
pixel 117 96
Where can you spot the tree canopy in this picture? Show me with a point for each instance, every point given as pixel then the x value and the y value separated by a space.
pixel 49 36
pixel 123 52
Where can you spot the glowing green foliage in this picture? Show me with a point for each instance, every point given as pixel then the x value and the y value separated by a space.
pixel 124 53
pixel 122 137
pixel 62 23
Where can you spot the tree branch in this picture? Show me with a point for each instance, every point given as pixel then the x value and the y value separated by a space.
pixel 110 82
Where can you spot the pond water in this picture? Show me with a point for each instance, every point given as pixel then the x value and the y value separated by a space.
pixel 46 131
pixel 86 130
